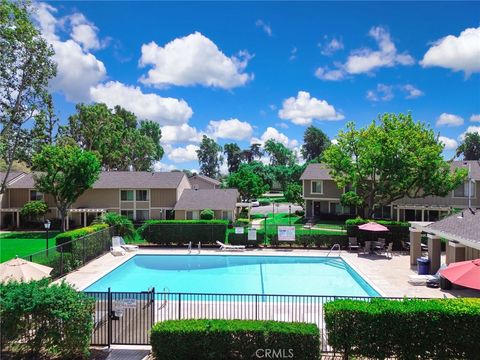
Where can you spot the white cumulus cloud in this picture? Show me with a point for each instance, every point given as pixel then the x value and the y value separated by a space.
pixel 381 93
pixel 304 108
pixel 264 26
pixel 330 46
pixel 183 154
pixel 450 144
pixel 460 53
pixel 230 129
pixel 470 129
pixel 366 60
pixel 412 91
pixel 272 133
pixel 193 60
pixel 164 110
pixel 475 118
pixel 449 120
pixel 180 133
pixel 84 32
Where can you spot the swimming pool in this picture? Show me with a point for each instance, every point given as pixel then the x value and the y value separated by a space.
pixel 236 274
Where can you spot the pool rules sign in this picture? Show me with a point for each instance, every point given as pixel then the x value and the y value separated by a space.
pixel 286 233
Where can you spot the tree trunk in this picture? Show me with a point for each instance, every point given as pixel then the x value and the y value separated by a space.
pixel 63 215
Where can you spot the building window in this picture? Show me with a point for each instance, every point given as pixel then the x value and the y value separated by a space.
pixel 462 190
pixel 142 215
pixel 126 195
pixel 338 209
pixel 227 215
pixel 141 195
pixel 36 195
pixel 189 215
pixel 317 187
pixel 127 213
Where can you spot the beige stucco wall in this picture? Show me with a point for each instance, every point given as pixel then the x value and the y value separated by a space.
pixel 471 253
pixel 163 197
pixel 330 190
pixel 184 184
pixel 98 198
pixel 180 215
pixel 19 197
pixel 201 184
pixel 156 214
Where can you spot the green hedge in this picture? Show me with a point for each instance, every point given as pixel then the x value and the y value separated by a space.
pixel 242 239
pixel 398 231
pixel 409 329
pixel 180 232
pixel 68 236
pixel 41 320
pixel 233 339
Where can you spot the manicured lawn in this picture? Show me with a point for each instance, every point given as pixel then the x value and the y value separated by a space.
pixel 279 199
pixel 24 243
pixel 284 219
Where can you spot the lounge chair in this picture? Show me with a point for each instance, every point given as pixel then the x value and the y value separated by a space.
pixel 116 249
pixel 420 280
pixel 388 250
pixel 353 244
pixel 119 240
pixel 230 247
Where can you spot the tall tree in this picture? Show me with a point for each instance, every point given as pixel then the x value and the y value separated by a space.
pixel 120 141
pixel 393 159
pixel 294 194
pixel 26 66
pixel 252 153
pixel 209 157
pixel 234 156
pixel 470 147
pixel 65 173
pixel 279 153
pixel 247 182
pixel 315 141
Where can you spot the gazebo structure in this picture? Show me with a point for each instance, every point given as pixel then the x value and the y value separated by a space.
pixel 460 230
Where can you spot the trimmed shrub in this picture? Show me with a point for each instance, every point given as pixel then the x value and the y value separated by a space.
pixel 207 214
pixel 123 225
pixel 233 339
pixel 264 202
pixel 180 232
pixel 68 236
pixel 33 209
pixel 39 319
pixel 300 213
pixel 398 231
pixel 408 329
pixel 242 222
pixel 321 241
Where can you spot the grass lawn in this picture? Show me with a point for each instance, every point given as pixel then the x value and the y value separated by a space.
pixel 279 199
pixel 328 228
pixel 24 243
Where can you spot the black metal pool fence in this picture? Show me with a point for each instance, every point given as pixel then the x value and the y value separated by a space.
pixel 125 318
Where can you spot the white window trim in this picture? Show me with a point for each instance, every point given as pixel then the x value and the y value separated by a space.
pixel 473 195
pixel 142 201
pixel 311 187
pixel 133 199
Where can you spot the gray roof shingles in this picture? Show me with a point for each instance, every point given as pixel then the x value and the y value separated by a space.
pixel 206 178
pixel 464 225
pixel 215 199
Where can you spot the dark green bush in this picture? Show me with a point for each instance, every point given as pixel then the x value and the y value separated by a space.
pixel 42 319
pixel 242 239
pixel 300 212
pixel 398 231
pixel 264 202
pixel 359 221
pixel 207 214
pixel 123 225
pixel 180 232
pixel 409 329
pixel 233 339
pixel 68 236
pixel 33 209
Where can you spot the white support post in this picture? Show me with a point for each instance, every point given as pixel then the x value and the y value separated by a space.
pixel 18 219
pixel 84 218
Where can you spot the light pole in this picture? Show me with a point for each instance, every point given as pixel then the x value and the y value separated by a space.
pixel 289 213
pixel 266 228
pixel 46 224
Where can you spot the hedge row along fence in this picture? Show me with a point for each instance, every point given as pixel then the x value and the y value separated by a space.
pixel 398 231
pixel 75 248
pixel 408 329
pixel 181 232
pixel 42 320
pixel 234 339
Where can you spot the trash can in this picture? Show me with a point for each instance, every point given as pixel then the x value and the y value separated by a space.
pixel 423 265
pixel 445 284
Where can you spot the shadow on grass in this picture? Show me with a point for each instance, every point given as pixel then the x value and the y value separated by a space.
pixel 28 235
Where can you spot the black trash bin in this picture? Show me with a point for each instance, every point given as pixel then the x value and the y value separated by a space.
pixel 423 265
pixel 445 284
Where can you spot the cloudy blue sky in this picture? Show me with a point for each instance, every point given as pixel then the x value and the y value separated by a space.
pixel 247 72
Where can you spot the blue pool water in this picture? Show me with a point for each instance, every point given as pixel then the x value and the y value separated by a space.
pixel 237 274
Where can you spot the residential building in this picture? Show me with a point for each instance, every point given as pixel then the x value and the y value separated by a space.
pixel 198 181
pixel 138 195
pixel 322 196
pixel 223 202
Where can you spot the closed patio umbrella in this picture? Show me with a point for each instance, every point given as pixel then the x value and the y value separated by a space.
pixel 22 270
pixel 464 273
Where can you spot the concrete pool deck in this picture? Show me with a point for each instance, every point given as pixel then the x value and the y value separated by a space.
pixel 388 276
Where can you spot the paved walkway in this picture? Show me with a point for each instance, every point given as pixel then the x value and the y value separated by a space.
pixel 120 353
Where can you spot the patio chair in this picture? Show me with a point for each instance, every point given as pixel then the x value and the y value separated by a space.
pixel 116 249
pixel 119 240
pixel 353 244
pixel 230 247
pixel 388 250
pixel 379 245
pixel 367 247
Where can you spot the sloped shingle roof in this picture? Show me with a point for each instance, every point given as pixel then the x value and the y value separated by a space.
pixel 206 178
pixel 215 199
pixel 463 227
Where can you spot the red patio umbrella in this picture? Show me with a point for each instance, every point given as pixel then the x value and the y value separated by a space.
pixel 464 273
pixel 372 226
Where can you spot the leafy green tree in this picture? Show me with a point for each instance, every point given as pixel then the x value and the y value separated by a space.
pixel 123 225
pixel 247 182
pixel 393 159
pixel 470 147
pixel 65 172
pixel 351 198
pixel 263 171
pixel 294 194
pixel 26 66
pixel 116 136
pixel 209 157
pixel 315 141
pixel 207 214
pixel 234 156
pixel 252 153
pixel 286 174
pixel 279 153
pixel 34 209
